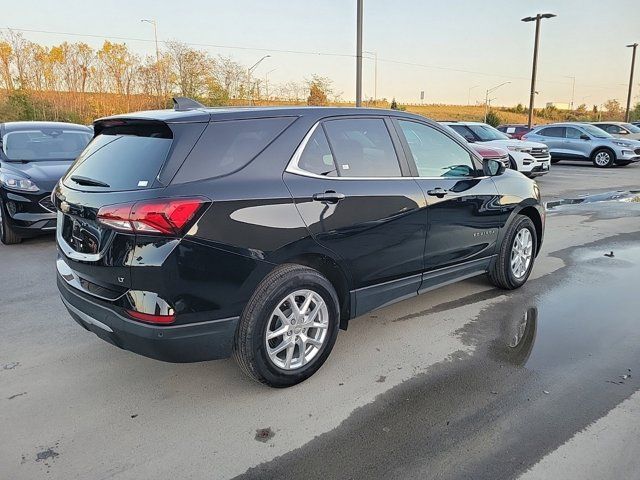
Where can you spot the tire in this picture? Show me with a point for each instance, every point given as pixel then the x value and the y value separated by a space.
pixel 512 164
pixel 603 158
pixel 502 273
pixel 259 317
pixel 7 235
pixel 555 160
pixel 623 163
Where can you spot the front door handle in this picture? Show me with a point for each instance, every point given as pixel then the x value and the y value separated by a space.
pixel 437 192
pixel 328 197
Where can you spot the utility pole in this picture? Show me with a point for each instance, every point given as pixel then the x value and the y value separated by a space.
pixel 359 53
pixel 486 99
pixel 534 70
pixel 633 64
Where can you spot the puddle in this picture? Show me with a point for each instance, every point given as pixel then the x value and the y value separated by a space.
pixel 555 356
pixel 617 196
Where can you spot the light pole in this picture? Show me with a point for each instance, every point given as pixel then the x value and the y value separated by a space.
pixel 249 70
pixel 536 19
pixel 486 99
pixel 155 36
pixel 633 64
pixel 469 94
pixel 266 81
pixel 359 53
pixel 573 90
pixel 375 75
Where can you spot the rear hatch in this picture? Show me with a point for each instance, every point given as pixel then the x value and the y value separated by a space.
pixel 127 162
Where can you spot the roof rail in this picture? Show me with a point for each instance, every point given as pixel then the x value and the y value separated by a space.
pixel 184 103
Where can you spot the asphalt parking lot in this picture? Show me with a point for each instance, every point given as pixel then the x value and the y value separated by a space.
pixel 464 382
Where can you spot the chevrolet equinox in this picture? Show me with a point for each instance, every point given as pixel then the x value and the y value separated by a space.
pixel 196 233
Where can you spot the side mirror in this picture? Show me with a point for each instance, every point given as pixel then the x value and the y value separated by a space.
pixel 470 139
pixel 492 167
pixel 584 136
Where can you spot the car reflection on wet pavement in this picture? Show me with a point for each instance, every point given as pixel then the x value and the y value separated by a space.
pixel 548 360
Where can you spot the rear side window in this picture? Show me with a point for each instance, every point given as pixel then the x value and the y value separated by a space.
pixel 362 148
pixel 228 146
pixel 122 157
pixel 552 132
pixel 317 157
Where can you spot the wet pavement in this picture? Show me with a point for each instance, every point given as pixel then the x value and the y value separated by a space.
pixel 467 381
pixel 549 360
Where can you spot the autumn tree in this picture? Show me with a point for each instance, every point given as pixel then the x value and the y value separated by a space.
pixel 319 90
pixel 6 59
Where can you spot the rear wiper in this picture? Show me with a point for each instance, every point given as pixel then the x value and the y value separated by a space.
pixel 88 181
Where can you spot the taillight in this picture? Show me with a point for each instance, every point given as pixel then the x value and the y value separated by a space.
pixel 158 216
pixel 148 318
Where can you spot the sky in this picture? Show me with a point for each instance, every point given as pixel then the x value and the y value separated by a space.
pixel 452 50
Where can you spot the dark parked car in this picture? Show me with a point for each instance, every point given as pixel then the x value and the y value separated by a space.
pixel 33 157
pixel 514 130
pixel 195 233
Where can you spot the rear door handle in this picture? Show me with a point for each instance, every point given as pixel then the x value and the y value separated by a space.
pixel 437 192
pixel 328 197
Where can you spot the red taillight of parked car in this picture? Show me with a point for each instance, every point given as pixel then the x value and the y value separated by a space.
pixel 154 217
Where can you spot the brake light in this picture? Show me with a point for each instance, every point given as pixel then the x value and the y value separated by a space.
pixel 148 318
pixel 158 216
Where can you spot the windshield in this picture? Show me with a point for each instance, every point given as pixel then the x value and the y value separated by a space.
pixel 632 128
pixel 41 144
pixel 595 131
pixel 487 133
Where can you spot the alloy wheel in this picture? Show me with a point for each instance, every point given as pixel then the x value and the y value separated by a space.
pixel 602 159
pixel 521 253
pixel 297 329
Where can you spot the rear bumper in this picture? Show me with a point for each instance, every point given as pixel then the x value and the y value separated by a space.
pixel 193 342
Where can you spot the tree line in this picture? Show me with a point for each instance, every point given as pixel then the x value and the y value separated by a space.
pixel 73 81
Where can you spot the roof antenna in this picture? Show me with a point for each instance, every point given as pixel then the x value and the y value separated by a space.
pixel 184 103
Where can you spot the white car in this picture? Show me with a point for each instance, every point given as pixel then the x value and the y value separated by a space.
pixel 530 158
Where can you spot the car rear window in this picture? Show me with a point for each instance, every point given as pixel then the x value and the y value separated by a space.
pixel 40 144
pixel 228 146
pixel 124 157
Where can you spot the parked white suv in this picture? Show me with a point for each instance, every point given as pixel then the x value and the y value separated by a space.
pixel 530 158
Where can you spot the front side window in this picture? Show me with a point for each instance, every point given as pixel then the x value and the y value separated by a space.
pixel 573 133
pixel 595 131
pixel 464 132
pixel 40 144
pixel 362 148
pixel 434 153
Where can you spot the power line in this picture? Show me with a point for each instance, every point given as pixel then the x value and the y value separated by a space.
pixel 295 52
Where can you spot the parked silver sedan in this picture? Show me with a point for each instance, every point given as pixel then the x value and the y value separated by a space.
pixel 583 141
pixel 620 129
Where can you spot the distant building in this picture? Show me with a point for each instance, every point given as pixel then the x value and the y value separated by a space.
pixel 559 105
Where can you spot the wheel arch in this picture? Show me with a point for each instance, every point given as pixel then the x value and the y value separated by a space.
pixel 604 147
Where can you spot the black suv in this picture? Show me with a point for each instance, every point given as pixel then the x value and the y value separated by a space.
pixel 197 233
pixel 33 157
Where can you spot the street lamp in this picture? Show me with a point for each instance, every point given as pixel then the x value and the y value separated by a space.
pixel 573 89
pixel 486 99
pixel 633 64
pixel 249 70
pixel 375 74
pixel 266 81
pixel 469 94
pixel 155 36
pixel 359 9
pixel 536 19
